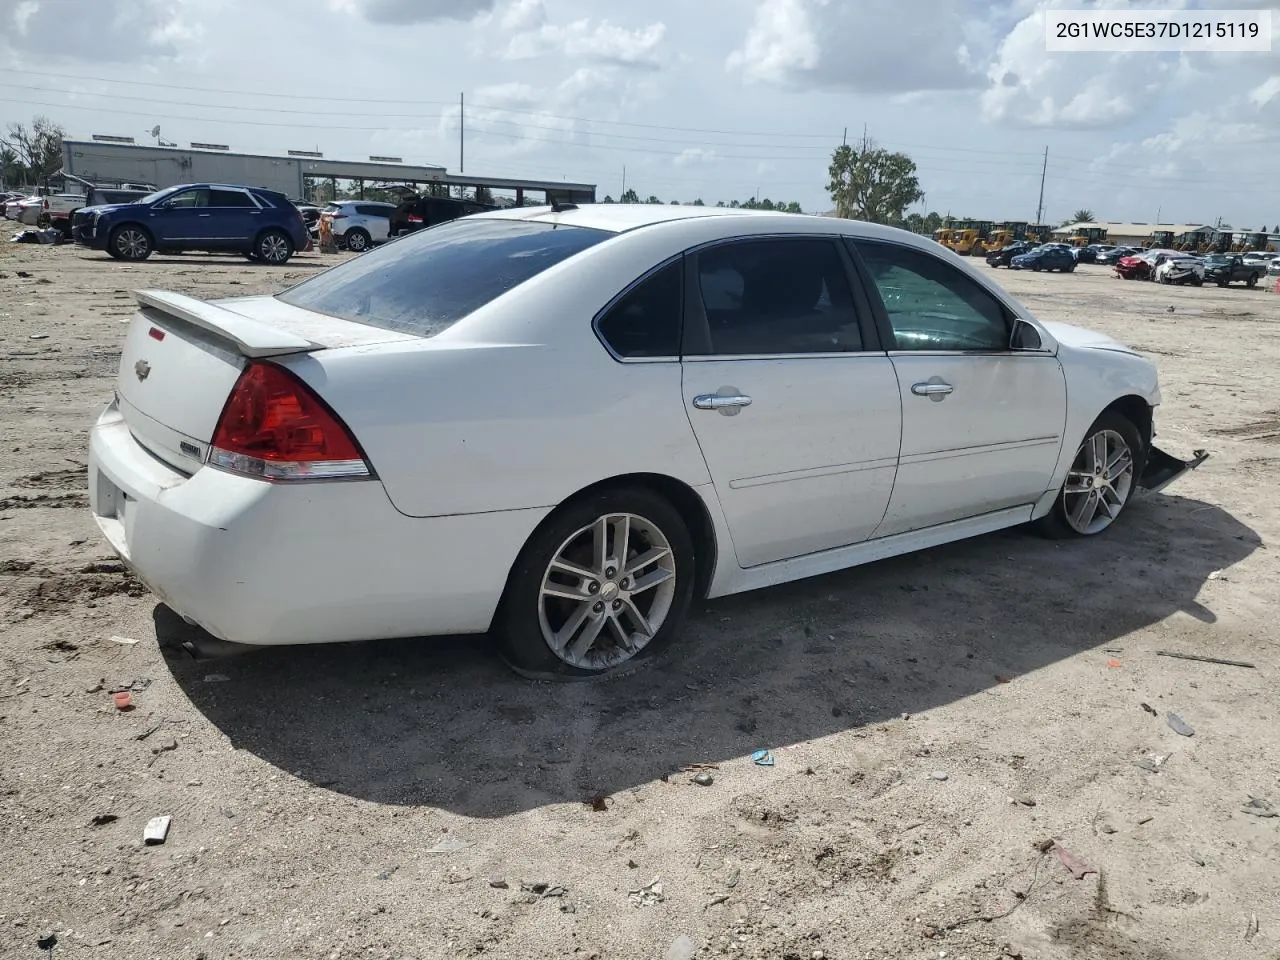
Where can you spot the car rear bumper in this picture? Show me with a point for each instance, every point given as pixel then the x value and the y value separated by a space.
pixel 259 563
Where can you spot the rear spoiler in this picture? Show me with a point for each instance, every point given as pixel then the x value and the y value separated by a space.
pixel 250 337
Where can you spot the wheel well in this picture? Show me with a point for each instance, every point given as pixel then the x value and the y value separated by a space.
pixel 1137 411
pixel 691 508
pixel 132 223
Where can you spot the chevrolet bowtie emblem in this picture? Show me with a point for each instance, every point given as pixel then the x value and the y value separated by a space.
pixel 142 369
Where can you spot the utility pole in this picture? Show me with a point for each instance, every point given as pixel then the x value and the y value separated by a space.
pixel 624 183
pixel 462 132
pixel 1043 170
pixel 844 141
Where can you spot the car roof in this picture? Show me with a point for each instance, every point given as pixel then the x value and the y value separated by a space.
pixel 623 217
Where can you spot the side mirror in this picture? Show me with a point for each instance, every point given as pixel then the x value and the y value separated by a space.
pixel 1025 337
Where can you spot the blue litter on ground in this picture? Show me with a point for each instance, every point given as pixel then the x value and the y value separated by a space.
pixel 762 758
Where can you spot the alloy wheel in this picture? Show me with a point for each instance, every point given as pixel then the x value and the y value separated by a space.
pixel 1098 483
pixel 274 248
pixel 607 592
pixel 132 243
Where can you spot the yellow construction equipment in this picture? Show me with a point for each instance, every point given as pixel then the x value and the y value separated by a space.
pixel 969 237
pixel 1159 240
pixel 1246 242
pixel 1003 234
pixel 943 235
pixel 1039 233
pixel 1087 235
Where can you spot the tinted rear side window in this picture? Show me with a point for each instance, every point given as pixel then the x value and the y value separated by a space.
pixel 373 210
pixel 431 279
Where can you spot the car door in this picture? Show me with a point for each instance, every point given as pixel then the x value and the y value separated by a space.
pixel 377 220
pixel 235 217
pixel 981 423
pixel 792 399
pixel 182 217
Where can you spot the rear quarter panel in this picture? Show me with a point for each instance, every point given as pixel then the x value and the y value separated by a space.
pixel 519 405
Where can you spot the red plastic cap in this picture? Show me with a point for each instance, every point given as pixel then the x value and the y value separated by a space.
pixel 275 428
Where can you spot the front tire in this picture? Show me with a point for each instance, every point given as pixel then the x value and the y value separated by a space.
pixel 1100 482
pixel 603 583
pixel 129 242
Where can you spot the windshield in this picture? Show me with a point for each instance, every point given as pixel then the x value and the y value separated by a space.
pixel 431 279
pixel 158 195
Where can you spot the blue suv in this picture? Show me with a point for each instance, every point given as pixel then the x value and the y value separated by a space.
pixel 260 224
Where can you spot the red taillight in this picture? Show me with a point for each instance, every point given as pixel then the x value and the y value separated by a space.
pixel 414 218
pixel 274 428
pixel 339 216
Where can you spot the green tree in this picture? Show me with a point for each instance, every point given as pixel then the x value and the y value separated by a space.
pixel 607 199
pixel 484 195
pixel 675 203
pixel 630 196
pixel 10 167
pixel 1083 215
pixel 791 207
pixel 653 199
pixel 38 147
pixel 932 223
pixel 699 203
pixel 871 183
pixel 914 223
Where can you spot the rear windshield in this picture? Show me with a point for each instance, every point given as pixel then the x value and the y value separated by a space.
pixel 431 279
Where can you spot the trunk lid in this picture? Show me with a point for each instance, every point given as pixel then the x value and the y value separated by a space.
pixel 183 356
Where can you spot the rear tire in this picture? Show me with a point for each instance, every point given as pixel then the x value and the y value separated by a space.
pixel 1253 280
pixel 130 242
pixel 603 583
pixel 358 240
pixel 1101 480
pixel 273 247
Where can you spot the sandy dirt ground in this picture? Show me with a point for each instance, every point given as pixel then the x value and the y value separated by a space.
pixel 936 720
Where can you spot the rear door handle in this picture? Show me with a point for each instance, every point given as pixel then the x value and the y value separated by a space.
pixel 933 390
pixel 204 214
pixel 715 401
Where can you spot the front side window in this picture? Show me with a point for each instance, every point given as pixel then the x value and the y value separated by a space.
pixel 188 199
pixel 645 322
pixel 777 296
pixel 433 278
pixel 932 305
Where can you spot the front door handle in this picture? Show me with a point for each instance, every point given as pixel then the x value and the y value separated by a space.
pixel 934 390
pixel 204 214
pixel 716 401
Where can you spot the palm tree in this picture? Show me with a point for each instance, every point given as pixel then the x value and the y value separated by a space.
pixel 1083 215
pixel 9 163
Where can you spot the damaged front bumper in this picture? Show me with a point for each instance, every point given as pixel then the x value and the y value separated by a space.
pixel 1162 469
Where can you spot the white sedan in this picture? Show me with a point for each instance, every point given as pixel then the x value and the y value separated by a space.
pixel 562 425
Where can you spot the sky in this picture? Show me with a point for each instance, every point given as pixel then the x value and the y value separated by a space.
pixel 709 99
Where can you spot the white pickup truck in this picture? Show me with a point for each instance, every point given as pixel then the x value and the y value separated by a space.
pixel 50 210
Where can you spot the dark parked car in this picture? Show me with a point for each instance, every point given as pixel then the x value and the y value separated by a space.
pixel 1112 257
pixel 416 213
pixel 1223 268
pixel 1090 253
pixel 215 217
pixel 1050 256
pixel 1001 257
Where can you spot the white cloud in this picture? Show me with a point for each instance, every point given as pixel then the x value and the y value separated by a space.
pixel 103 30
pixel 581 39
pixel 878 46
pixel 523 15
pixel 694 155
pixel 413 11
